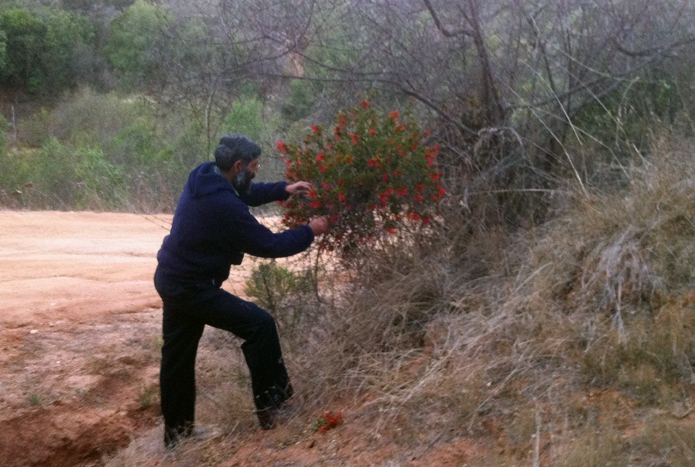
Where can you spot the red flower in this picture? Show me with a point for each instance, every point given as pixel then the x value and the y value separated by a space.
pixel 413 147
pixel 391 230
pixel 414 216
pixel 436 176
pixel 315 204
pixel 341 182
pixel 374 163
pixel 355 138
pixel 329 421
pixel 325 186
pixel 419 198
pixel 385 178
pixel 399 127
pixel 322 169
pixel 403 192
pixel 282 147
pixel 320 157
pixel 426 220
pixel 442 191
pixel 371 131
pixel 371 207
pixel 383 197
pixel 341 197
pixel 365 104
pixel 314 128
pixel 394 114
pixel 419 187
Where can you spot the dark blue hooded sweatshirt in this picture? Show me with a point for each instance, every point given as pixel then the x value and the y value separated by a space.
pixel 213 228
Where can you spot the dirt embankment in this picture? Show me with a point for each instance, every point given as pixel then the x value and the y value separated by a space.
pixel 80 347
pixel 79 333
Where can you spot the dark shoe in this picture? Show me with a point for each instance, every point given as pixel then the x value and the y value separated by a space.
pixel 289 391
pixel 173 435
pixel 266 418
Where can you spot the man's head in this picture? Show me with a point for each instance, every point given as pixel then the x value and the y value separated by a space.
pixel 237 158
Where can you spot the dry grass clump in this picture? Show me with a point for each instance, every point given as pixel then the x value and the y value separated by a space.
pixel 593 299
pixel 616 266
pixel 554 342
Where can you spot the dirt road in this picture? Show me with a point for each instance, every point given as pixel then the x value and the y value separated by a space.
pixel 79 333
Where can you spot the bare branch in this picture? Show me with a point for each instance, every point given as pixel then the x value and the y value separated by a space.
pixel 440 26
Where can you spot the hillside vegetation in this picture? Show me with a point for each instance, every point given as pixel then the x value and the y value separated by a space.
pixel 547 310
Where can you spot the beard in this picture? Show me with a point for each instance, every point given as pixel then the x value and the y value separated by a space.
pixel 242 181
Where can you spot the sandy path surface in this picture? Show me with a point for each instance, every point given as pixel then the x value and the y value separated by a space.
pixel 79 333
pixel 76 266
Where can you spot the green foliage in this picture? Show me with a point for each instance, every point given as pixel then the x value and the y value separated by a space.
pixel 288 295
pixel 109 156
pixel 45 50
pixel 371 175
pixel 135 33
pixel 246 119
pixel 271 286
pixel 25 35
pixel 626 117
pixel 53 173
pixel 85 119
pixel 137 144
pixel 301 100
pixel 3 52
pixel 67 49
pixel 100 184
pixel 4 126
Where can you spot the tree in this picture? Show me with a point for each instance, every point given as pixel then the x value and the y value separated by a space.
pixel 25 34
pixel 135 35
pixel 46 50
pixel 67 56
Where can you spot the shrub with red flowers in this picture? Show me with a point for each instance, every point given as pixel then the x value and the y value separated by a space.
pixel 328 422
pixel 371 173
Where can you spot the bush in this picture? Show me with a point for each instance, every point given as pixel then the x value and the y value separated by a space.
pixel 371 174
pixel 134 37
pixel 45 49
pixel 286 294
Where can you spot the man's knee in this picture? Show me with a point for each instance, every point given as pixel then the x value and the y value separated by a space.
pixel 264 320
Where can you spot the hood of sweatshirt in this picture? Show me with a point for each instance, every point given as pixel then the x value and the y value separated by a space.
pixel 204 180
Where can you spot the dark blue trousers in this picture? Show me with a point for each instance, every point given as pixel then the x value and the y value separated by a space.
pixel 187 308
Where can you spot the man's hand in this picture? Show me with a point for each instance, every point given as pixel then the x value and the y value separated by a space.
pixel 319 225
pixel 299 188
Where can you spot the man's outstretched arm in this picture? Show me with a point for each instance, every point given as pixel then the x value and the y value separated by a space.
pixel 263 193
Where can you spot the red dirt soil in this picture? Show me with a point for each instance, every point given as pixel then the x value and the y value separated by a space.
pixel 80 347
pixel 78 333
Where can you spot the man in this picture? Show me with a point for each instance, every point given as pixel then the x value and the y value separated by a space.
pixel 211 230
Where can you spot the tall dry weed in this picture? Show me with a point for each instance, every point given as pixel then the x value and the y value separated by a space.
pixel 473 330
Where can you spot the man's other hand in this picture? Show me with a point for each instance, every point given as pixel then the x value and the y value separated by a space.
pixel 319 225
pixel 299 188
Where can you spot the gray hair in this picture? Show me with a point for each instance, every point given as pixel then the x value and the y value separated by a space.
pixel 234 148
